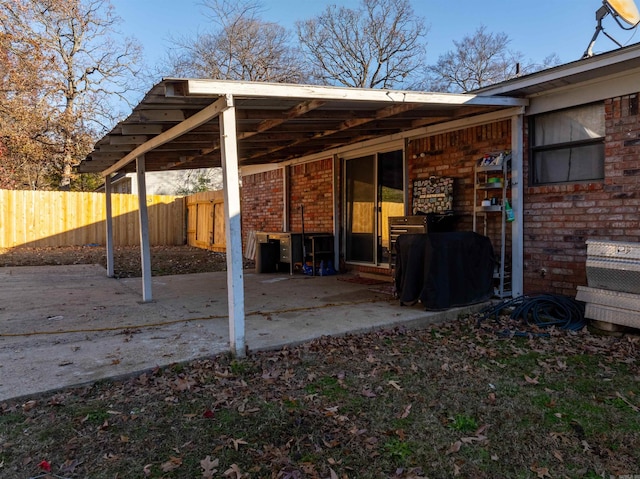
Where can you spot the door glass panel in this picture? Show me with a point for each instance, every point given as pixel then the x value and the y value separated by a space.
pixel 360 209
pixel 390 197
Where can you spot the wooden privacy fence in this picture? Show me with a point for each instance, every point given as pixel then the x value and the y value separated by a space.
pixel 62 218
pixel 205 220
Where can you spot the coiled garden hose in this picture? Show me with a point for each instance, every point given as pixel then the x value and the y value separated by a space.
pixel 540 310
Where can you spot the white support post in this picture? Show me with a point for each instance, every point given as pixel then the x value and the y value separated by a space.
pixel 336 211
pixel 143 216
pixel 231 182
pixel 286 198
pixel 109 226
pixel 517 200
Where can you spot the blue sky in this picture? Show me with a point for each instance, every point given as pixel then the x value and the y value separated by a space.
pixel 536 28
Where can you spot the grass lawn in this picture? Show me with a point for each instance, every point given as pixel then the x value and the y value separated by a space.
pixel 458 399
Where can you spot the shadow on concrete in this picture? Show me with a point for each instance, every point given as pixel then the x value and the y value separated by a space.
pixel 68 325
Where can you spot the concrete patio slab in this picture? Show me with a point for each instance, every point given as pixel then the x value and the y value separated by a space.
pixel 69 325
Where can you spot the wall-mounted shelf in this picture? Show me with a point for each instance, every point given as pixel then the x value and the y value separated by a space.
pixel 490 195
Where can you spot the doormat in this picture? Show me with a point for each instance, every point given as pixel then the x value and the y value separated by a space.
pixel 361 280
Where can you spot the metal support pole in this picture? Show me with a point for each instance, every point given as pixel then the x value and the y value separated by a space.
pixel 109 226
pixel 233 228
pixel 517 200
pixel 143 216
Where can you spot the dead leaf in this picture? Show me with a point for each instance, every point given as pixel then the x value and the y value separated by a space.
pixel 368 393
pixel 332 443
pixel 209 467
pixel 541 471
pixel 531 380
pixel 405 413
pixel 29 405
pixel 238 442
pixel 172 464
pixel 147 469
pixel 470 439
pixel 395 385
pixel 271 376
pixel 558 455
pixel 333 474
pixel 330 411
pixel 233 472
pixel 455 447
pixel 184 384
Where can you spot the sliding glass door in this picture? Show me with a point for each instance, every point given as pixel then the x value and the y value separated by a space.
pixel 374 190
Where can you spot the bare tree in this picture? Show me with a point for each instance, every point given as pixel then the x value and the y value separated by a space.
pixel 378 45
pixel 241 47
pixel 480 60
pixel 84 68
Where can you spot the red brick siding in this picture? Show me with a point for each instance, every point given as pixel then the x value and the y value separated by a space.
pixel 559 219
pixel 454 155
pixel 311 185
pixel 262 202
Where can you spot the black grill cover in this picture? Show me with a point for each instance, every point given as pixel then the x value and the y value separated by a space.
pixel 444 270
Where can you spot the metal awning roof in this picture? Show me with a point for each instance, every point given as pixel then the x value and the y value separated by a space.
pixel 176 124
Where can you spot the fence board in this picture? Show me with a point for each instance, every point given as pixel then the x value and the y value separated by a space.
pixel 62 218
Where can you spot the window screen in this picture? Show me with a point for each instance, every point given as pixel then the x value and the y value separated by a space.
pixel 568 145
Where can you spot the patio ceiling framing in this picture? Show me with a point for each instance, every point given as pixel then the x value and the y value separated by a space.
pixel 176 125
pixel 194 123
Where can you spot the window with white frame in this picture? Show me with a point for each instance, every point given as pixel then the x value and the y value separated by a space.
pixel 567 145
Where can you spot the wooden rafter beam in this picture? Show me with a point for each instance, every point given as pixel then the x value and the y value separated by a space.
pixel 189 124
pixel 386 112
pixel 295 112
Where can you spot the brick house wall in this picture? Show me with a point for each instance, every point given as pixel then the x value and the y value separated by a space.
pixel 262 202
pixel 311 185
pixel 454 154
pixel 558 219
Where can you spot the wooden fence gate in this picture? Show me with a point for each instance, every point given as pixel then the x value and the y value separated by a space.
pixel 205 221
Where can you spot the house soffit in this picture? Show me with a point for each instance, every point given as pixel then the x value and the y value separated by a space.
pixel 274 122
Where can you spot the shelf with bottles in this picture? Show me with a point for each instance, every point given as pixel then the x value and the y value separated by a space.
pixel 490 205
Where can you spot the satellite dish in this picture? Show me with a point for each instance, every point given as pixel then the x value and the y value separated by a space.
pixel 625 10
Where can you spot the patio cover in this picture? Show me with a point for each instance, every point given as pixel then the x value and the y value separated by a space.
pixel 197 123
